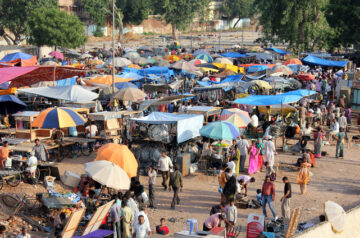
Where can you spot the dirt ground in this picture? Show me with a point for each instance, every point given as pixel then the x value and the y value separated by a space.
pixel 333 179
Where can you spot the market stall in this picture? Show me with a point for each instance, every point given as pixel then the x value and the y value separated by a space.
pixel 210 113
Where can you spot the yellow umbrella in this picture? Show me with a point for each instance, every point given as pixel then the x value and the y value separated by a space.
pixel 231 67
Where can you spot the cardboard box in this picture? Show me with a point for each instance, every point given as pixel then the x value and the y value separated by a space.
pixel 70 179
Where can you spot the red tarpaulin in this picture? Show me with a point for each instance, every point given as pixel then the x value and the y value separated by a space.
pixel 29 75
pixel 306 77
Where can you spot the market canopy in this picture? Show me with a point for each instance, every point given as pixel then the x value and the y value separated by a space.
pixel 19 57
pixel 29 75
pixel 233 55
pixel 75 93
pixel 313 60
pixel 10 104
pixel 276 50
pixel 301 92
pixel 188 126
pixel 268 100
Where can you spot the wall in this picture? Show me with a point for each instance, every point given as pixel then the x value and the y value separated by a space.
pixel 324 230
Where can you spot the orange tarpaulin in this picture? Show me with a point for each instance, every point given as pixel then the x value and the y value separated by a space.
pixel 107 79
pixel 23 62
pixel 8 91
pixel 119 155
pixel 292 61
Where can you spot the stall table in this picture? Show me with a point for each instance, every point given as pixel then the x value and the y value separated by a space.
pixel 53 202
pixel 8 132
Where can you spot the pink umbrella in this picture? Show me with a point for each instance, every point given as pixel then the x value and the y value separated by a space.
pixel 57 54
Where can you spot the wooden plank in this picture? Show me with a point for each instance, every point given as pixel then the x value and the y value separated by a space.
pixel 293 223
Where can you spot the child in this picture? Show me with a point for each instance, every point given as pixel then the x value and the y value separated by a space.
pixel 231 213
pixel 162 229
pixel 8 161
pixel 258 195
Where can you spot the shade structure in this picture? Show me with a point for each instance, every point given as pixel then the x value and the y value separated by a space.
pixel 268 100
pixel 108 174
pixel 292 61
pixel 57 54
pixel 184 65
pixel 336 215
pixel 125 85
pixel 223 61
pixel 205 57
pixel 132 55
pixel 58 117
pixel 201 51
pixel 10 104
pixel 120 62
pixel 85 55
pixel 130 94
pixel 197 61
pixel 282 70
pixel 237 120
pixel 187 56
pixel 120 155
pixel 221 130
pixel 172 58
pixel 226 113
pixel 301 92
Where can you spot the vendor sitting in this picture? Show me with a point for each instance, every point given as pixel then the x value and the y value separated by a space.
pixel 8 161
pixel 90 202
pixel 57 135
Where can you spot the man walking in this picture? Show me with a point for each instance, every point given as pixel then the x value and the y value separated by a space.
pixel 270 151
pixel 285 205
pixel 268 195
pixel 127 219
pixel 115 214
pixel 176 184
pixel 152 178
pixel 164 166
pixel 243 146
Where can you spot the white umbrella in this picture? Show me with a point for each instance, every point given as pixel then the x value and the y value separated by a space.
pixel 85 55
pixel 108 174
pixel 335 215
pixel 120 62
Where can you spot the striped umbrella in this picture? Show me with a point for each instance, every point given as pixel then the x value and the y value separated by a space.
pixel 221 130
pixel 226 113
pixel 205 57
pixel 58 117
pixel 197 61
pixel 237 120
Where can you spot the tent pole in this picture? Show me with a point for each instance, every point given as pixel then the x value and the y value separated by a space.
pixel 282 120
pixel 54 77
pixel 113 46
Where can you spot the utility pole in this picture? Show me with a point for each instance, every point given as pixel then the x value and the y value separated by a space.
pixel 113 46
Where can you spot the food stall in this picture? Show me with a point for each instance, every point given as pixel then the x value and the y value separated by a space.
pixel 208 112
pixel 23 126
pixel 110 124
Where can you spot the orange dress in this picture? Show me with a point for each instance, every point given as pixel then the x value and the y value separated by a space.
pixel 4 153
pixel 304 174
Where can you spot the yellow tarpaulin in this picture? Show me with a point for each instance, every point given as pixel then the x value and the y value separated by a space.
pixel 262 84
pixel 204 69
pixel 8 91
pixel 107 79
pixel 233 68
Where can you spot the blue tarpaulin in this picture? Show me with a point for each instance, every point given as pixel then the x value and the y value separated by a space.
pixel 228 79
pixel 313 60
pixel 233 55
pixel 301 92
pixel 15 56
pixel 263 56
pixel 131 75
pixel 268 100
pixel 66 82
pixel 281 52
pixel 187 126
pixel 256 68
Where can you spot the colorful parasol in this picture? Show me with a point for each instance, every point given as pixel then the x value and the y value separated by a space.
pixel 58 117
pixel 222 130
pixel 205 57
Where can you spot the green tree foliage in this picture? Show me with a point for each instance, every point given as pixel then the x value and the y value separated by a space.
pixel 14 17
pixel 179 13
pixel 344 17
pixel 300 23
pixel 53 27
pixel 232 9
pixel 126 11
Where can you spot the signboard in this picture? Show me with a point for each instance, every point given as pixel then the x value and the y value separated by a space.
pixel 255 225
pixel 97 218
pixel 73 223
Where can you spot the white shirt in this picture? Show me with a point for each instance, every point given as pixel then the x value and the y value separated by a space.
pixel 136 219
pixel 92 129
pixel 23 236
pixel 133 206
pixel 254 121
pixel 231 165
pixel 152 177
pixel 306 131
pixel 164 163
pixel 142 231
pixel 269 152
pixel 342 122
pixel 243 146
pixel 246 178
pixel 8 163
pixel 336 127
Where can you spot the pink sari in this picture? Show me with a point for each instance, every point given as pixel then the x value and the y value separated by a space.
pixel 253 160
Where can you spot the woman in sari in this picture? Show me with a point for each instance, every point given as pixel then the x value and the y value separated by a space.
pixel 318 136
pixel 340 138
pixel 303 176
pixel 230 189
pixel 253 159
pixel 260 147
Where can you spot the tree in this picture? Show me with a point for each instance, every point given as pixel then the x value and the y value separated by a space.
pixel 302 24
pixel 178 13
pixel 14 17
pixel 53 27
pixel 239 9
pixel 126 12
pixel 344 16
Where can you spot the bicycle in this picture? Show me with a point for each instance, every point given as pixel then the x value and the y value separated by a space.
pixel 26 204
pixel 11 177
